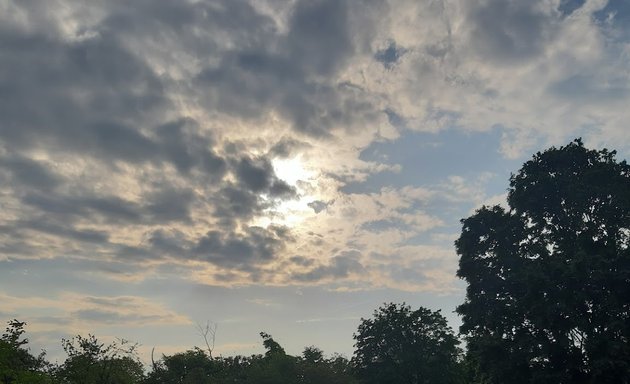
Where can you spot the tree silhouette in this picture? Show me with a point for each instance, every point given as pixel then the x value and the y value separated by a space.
pixel 404 346
pixel 548 296
pixel 92 362
pixel 17 364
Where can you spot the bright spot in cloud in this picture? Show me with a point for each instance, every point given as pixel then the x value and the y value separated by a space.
pixel 291 170
pixel 291 212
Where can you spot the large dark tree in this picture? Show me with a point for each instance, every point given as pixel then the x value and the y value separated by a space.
pixel 404 346
pixel 548 296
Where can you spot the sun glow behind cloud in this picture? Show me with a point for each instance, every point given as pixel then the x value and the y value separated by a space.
pixel 292 212
pixel 292 170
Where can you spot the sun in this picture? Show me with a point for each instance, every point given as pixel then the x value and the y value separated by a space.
pixel 292 212
pixel 291 170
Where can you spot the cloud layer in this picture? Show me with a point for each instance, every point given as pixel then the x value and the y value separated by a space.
pixel 155 134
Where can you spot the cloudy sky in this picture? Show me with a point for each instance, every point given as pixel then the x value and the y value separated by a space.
pixel 275 165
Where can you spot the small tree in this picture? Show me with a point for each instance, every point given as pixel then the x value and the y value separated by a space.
pixel 404 346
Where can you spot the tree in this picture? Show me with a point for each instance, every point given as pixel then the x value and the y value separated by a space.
pixel 192 366
pixel 92 362
pixel 548 295
pixel 315 368
pixel 17 364
pixel 276 367
pixel 403 346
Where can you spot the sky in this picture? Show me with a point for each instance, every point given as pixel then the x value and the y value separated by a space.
pixel 284 166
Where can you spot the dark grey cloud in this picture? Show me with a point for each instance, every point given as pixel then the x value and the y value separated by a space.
pixel 256 246
pixel 293 73
pixel 255 189
pixel 170 204
pixel 29 172
pixel 250 85
pixel 255 174
pixel 319 36
pixel 185 147
pixel 64 230
pixel 198 29
pixel 339 267
pixel 70 208
pixel 93 97
pixel 509 31
pixel 169 242
pixel 80 96
pixel 247 250
pixel 231 203
pixel 164 205
pixel 258 176
pixel 286 147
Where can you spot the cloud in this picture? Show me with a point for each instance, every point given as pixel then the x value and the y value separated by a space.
pixel 255 246
pixel 74 309
pixel 124 310
pixel 59 229
pixel 339 267
pixel 29 172
pixel 510 32
pixel 78 96
pixel 258 176
pixel 319 36
pixel 146 133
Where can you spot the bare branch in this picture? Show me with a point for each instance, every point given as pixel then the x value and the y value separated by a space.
pixel 209 333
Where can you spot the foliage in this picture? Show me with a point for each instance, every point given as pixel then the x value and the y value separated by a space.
pixel 192 366
pixel 90 361
pixel 548 296
pixel 274 367
pixel 400 345
pixel 315 368
pixel 17 365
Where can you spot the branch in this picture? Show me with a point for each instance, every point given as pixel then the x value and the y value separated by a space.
pixel 209 333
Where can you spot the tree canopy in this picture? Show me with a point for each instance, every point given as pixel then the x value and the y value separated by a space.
pixel 548 295
pixel 405 346
pixel 17 364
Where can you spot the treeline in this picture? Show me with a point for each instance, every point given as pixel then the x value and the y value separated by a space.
pixel 397 345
